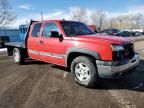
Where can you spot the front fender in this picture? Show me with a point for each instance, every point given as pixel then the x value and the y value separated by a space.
pixel 83 51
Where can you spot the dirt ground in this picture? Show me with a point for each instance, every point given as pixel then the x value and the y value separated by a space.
pixel 42 85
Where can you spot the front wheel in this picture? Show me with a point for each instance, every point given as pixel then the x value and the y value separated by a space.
pixel 17 56
pixel 84 71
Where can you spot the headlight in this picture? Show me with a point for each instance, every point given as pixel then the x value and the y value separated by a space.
pixel 117 47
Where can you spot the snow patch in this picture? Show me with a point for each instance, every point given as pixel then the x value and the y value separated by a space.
pixel 65 74
pixel 3 49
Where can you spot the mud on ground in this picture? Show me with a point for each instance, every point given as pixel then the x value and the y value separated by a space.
pixel 42 85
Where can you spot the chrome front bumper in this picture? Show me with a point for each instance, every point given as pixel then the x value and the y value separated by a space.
pixel 108 69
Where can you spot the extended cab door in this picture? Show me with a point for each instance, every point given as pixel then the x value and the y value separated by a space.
pixel 33 41
pixel 51 49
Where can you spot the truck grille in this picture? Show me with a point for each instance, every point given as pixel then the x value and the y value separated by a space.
pixel 128 53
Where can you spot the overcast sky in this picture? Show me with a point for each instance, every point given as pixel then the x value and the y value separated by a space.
pixel 59 9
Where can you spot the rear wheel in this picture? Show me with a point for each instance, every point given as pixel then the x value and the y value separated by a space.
pixel 84 71
pixel 17 56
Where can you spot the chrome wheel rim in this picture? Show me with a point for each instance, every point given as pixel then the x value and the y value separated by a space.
pixel 82 72
pixel 16 56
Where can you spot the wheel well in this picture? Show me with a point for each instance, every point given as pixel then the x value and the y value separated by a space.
pixel 73 55
pixel 10 51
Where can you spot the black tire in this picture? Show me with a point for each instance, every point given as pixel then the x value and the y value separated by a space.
pixel 93 74
pixel 20 58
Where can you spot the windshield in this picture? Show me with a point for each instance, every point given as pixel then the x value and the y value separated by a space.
pixel 76 28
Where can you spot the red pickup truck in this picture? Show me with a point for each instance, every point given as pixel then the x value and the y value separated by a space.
pixel 73 45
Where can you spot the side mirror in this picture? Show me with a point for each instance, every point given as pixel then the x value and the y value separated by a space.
pixel 56 34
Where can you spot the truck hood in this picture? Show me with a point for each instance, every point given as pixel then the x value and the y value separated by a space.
pixel 103 38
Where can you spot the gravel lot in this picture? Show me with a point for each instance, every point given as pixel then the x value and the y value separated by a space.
pixel 42 85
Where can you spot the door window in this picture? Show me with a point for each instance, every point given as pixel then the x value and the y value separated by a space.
pixel 49 27
pixel 36 30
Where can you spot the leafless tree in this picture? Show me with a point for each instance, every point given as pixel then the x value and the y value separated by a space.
pixel 138 20
pixel 98 18
pixel 6 14
pixel 78 14
pixel 111 22
pixel 120 21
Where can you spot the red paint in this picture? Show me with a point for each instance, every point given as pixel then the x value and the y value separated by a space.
pixel 98 43
pixel 92 27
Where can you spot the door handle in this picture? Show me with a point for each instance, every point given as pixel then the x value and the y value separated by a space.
pixel 41 42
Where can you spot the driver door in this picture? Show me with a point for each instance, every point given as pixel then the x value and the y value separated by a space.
pixel 51 48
